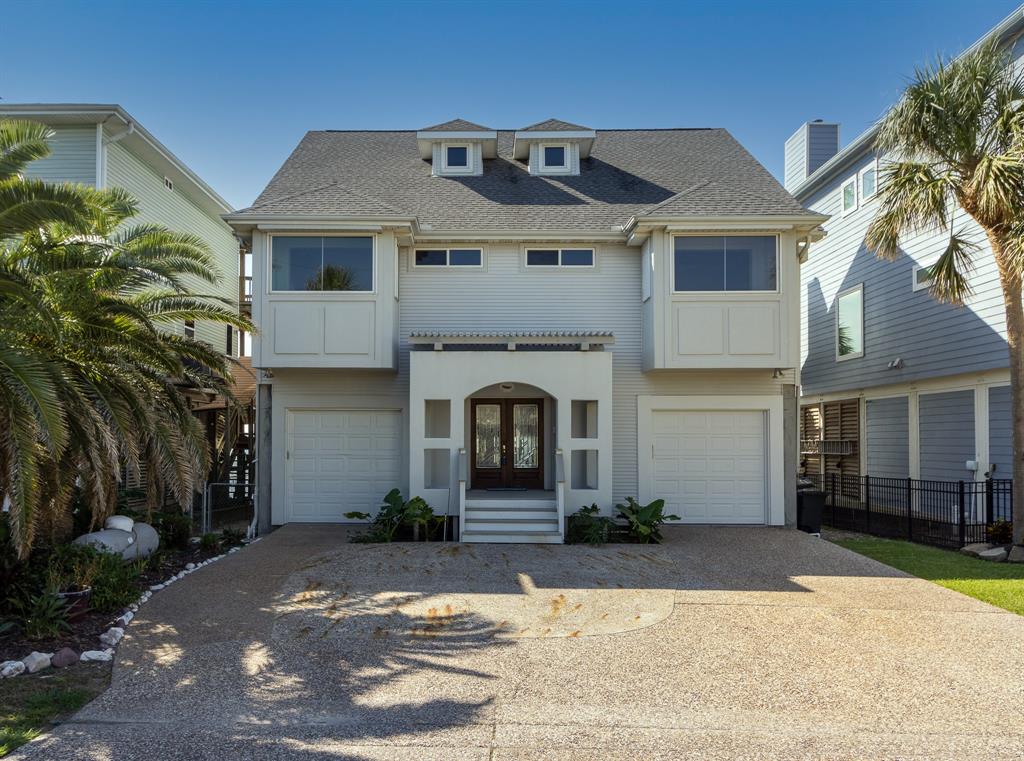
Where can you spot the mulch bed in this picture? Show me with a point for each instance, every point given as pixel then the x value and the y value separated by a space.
pixel 85 632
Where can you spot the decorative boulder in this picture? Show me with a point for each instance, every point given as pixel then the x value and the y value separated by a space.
pixel 146 542
pixel 11 668
pixel 112 636
pixel 1016 554
pixel 995 555
pixel 974 549
pixel 96 656
pixel 63 658
pixel 108 540
pixel 36 662
pixel 119 522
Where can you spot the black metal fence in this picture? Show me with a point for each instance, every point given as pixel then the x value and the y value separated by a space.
pixel 942 513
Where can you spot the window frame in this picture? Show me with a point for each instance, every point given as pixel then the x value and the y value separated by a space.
pixel 189 329
pixel 559 266
pixel 737 234
pixel 872 167
pixel 448 258
pixel 551 168
pixel 921 286
pixel 447 168
pixel 839 296
pixel 269 284
pixel 854 180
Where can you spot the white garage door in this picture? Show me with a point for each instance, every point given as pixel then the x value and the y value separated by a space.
pixel 710 466
pixel 338 461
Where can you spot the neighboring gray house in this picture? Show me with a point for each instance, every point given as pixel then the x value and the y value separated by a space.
pixel 893 383
pixel 516 323
pixel 103 146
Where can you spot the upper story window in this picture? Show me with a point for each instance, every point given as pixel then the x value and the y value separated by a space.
pixel 448 257
pixel 554 158
pixel 559 257
pixel 848 195
pixel 922 277
pixel 457 158
pixel 725 263
pixel 850 323
pixel 190 328
pixel 868 182
pixel 321 263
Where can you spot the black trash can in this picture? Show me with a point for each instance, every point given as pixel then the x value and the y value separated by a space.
pixel 810 503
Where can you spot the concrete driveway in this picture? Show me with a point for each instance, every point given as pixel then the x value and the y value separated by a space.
pixel 721 643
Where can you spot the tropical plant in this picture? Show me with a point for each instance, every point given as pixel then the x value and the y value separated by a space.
pixel 588 526
pixel 115 585
pixel 956 140
pixel 209 542
pixel 42 616
pixel 232 537
pixel 392 515
pixel 94 367
pixel 175 529
pixel 644 521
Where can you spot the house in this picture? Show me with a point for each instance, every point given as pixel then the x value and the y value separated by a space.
pixel 515 323
pixel 894 384
pixel 104 146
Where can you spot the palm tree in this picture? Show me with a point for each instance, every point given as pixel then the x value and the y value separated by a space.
pixel 92 365
pixel 957 140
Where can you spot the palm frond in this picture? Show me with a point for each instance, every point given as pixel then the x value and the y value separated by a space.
pixel 949 275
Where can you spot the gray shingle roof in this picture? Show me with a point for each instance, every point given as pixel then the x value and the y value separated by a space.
pixel 553 125
pixel 668 172
pixel 456 125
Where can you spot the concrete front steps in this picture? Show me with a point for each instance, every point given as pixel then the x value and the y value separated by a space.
pixel 512 521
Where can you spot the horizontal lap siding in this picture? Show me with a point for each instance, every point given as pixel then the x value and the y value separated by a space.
pixel 505 295
pixel 888 438
pixel 72 157
pixel 1000 431
pixel 947 435
pixel 932 339
pixel 176 211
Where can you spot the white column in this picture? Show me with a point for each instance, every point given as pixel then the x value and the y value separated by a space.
pixel 914 432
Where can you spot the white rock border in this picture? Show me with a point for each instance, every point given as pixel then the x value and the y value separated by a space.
pixel 112 637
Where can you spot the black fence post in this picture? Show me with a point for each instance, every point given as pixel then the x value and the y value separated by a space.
pixel 989 503
pixel 963 514
pixel 910 511
pixel 867 504
pixel 832 495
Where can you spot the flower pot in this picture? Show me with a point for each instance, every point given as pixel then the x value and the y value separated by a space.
pixel 76 603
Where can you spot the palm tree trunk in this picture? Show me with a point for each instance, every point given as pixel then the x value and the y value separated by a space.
pixel 1011 284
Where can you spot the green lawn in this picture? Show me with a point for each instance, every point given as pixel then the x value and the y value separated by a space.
pixel 1000 584
pixel 29 705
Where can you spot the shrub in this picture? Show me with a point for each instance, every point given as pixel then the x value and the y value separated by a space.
pixel 175 529
pixel 42 616
pixel 72 567
pixel 587 526
pixel 115 585
pixel 1000 532
pixel 209 542
pixel 393 514
pixel 644 521
pixel 232 537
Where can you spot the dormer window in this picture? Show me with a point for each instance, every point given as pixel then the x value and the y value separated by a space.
pixel 457 147
pixel 457 158
pixel 554 158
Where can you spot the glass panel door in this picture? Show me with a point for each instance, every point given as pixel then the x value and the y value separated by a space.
pixel 488 436
pixel 525 436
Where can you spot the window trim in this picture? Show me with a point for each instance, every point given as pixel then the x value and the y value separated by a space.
pixel 447 258
pixel 559 266
pixel 913 281
pixel 738 234
pixel 857 355
pixel 842 195
pixel 269 285
pixel 546 168
pixel 448 169
pixel 189 329
pixel 873 166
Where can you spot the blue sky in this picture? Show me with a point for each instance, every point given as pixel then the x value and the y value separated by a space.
pixel 231 87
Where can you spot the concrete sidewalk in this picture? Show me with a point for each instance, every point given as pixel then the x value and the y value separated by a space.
pixel 721 643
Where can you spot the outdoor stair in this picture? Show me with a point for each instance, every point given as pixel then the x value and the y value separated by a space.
pixel 511 521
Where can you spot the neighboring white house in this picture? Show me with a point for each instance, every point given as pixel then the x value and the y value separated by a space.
pixel 104 146
pixel 513 324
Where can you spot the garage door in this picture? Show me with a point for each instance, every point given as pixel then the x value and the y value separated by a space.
pixel 338 461
pixel 709 466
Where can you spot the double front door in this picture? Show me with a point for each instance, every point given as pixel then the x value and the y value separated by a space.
pixel 508 443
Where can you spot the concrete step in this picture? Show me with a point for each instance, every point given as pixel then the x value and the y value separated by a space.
pixel 534 504
pixel 515 513
pixel 512 525
pixel 516 537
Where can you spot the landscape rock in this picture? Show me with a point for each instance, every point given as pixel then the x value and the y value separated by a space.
pixel 96 656
pixel 11 668
pixel 112 636
pixel 995 555
pixel 190 567
pixel 1016 554
pixel 36 661
pixel 974 549
pixel 156 587
pixel 119 522
pixel 125 619
pixel 147 540
pixel 108 540
pixel 63 658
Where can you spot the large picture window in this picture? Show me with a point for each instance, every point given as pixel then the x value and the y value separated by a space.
pixel 321 263
pixel 850 324
pixel 725 263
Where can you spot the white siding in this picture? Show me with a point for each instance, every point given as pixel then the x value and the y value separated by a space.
pixel 72 157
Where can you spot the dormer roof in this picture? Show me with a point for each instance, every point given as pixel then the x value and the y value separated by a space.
pixel 457 130
pixel 552 130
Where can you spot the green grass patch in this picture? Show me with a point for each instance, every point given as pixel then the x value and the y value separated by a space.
pixel 30 705
pixel 1000 584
